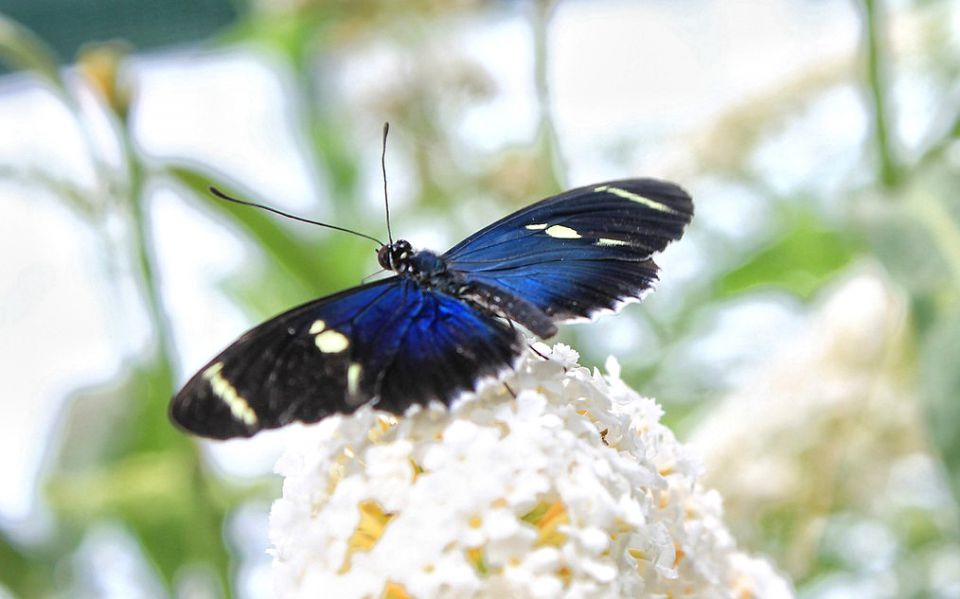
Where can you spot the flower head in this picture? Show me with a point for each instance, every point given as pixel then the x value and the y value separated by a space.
pixel 572 488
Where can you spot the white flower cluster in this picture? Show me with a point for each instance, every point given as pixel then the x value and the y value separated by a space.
pixel 836 451
pixel 572 489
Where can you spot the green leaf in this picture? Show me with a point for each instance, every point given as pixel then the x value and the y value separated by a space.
pixel 161 498
pixel 296 258
pixel 800 261
pixel 122 460
pixel 940 388
pixel 288 34
pixel 328 263
pixel 26 573
pixel 21 49
pixel 119 418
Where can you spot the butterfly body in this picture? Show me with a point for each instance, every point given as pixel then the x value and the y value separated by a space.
pixel 443 321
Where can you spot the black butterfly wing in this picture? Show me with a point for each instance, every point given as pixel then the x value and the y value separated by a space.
pixel 391 341
pixel 577 253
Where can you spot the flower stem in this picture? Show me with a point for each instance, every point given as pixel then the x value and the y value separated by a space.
pixel 145 259
pixel 943 230
pixel 873 33
pixel 546 130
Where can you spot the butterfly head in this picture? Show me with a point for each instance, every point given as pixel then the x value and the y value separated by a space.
pixel 394 255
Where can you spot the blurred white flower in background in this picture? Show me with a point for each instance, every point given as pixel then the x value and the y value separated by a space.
pixel 572 489
pixel 823 453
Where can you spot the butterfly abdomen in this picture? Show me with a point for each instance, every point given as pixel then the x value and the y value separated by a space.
pixel 500 302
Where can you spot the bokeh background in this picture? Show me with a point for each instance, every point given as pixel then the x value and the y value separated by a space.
pixel 806 334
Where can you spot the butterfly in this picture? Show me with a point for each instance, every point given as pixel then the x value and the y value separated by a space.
pixel 441 322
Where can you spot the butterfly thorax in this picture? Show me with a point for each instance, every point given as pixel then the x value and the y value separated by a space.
pixel 421 265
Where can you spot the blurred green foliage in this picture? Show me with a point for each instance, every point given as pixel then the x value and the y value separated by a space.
pixel 120 461
pixel 798 261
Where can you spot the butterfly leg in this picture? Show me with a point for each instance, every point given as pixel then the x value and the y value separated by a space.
pixel 509 390
pixel 534 349
pixel 531 346
pixel 370 276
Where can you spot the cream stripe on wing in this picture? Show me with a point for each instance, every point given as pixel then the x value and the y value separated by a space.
pixel 634 197
pixel 227 393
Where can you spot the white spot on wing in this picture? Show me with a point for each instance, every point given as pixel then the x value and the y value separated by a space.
pixel 635 197
pixel 317 326
pixel 561 232
pixel 605 241
pixel 536 227
pixel 227 393
pixel 332 342
pixel 353 378
pixel 213 370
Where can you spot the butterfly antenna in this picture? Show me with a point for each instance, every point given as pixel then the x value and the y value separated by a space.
pixel 370 276
pixel 383 167
pixel 224 196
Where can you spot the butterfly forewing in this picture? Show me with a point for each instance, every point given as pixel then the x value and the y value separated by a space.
pixel 393 342
pixel 292 367
pixel 647 214
pixel 582 251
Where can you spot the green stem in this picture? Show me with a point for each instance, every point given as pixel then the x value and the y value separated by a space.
pixel 873 31
pixel 329 155
pixel 145 256
pixel 943 230
pixel 546 133
pixel 205 540
pixel 943 142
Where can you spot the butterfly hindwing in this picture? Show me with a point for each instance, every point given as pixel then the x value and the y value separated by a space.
pixel 447 347
pixel 579 252
pixel 392 341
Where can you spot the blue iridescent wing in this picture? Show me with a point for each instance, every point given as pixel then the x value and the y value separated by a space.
pixel 574 254
pixel 391 342
pixel 446 348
